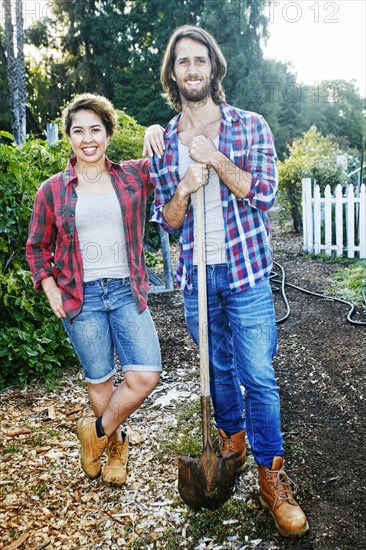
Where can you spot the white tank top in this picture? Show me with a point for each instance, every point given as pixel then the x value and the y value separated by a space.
pixel 215 230
pixel 99 226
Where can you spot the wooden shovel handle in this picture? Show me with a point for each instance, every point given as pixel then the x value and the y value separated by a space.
pixel 202 294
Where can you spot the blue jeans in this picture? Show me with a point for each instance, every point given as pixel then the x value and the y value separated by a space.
pixel 109 321
pixel 242 344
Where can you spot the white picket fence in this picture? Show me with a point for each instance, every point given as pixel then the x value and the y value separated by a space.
pixel 334 224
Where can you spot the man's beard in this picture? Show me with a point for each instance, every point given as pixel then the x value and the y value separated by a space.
pixel 195 96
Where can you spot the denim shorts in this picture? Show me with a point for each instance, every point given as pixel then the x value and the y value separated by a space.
pixel 109 322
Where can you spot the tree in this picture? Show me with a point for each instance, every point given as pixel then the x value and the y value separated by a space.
pixel 337 109
pixel 239 26
pixel 313 156
pixel 252 82
pixel 16 69
pixel 150 26
pixel 116 47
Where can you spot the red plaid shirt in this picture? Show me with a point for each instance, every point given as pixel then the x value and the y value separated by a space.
pixel 53 247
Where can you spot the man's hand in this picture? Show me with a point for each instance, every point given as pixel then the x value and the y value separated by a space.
pixel 237 180
pixel 53 294
pixel 203 150
pixel 175 210
pixel 196 176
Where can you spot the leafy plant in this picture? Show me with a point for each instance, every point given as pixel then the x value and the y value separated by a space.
pixel 128 141
pixel 313 156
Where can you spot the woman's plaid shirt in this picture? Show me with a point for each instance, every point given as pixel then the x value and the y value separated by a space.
pixel 247 140
pixel 53 248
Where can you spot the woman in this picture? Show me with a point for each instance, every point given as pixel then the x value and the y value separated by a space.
pixel 85 250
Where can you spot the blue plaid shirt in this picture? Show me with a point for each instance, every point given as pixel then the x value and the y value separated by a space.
pixel 247 140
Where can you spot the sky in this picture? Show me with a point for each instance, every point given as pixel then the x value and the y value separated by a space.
pixel 324 40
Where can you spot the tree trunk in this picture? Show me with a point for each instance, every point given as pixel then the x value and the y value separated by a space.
pixel 20 71
pixel 32 124
pixel 15 70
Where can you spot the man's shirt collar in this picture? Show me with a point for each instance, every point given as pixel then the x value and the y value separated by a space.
pixel 229 114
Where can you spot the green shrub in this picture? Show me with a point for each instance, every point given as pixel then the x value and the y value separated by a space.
pixel 33 343
pixel 311 156
pixel 128 141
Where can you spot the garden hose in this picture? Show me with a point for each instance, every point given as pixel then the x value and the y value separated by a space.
pixel 283 283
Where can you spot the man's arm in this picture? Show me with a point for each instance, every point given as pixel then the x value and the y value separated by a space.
pixel 237 180
pixel 175 210
pixel 257 181
pixel 170 202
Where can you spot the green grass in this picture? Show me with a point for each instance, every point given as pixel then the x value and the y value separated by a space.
pixel 235 520
pixel 13 448
pixel 349 283
pixel 186 437
pixel 40 489
pixel 341 260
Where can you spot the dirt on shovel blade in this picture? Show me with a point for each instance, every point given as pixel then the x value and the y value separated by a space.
pixel 207 482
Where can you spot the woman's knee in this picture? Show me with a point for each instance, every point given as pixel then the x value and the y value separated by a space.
pixel 142 382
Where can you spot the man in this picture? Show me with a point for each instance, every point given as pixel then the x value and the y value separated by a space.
pixel 230 152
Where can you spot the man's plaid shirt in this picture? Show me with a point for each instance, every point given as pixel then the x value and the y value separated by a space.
pixel 246 139
pixel 53 248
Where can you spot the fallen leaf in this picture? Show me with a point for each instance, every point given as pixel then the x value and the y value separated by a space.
pixel 51 412
pixel 18 431
pixel 17 543
pixel 40 450
pixel 74 410
pixel 135 437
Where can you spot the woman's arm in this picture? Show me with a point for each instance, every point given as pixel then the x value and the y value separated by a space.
pixel 39 251
pixel 53 294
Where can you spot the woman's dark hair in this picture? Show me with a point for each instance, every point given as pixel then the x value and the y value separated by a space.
pixel 91 102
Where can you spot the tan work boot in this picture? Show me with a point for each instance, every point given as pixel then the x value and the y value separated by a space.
pixel 234 444
pixel 115 469
pixel 276 496
pixel 92 446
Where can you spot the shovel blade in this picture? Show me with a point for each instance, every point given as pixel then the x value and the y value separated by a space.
pixel 207 482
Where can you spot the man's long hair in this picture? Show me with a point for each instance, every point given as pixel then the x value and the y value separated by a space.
pixel 218 63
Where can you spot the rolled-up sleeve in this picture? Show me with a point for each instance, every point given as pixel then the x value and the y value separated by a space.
pixel 41 240
pixel 163 193
pixel 262 164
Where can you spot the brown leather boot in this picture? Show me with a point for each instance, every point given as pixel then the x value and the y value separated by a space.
pixel 92 446
pixel 115 469
pixel 234 444
pixel 276 496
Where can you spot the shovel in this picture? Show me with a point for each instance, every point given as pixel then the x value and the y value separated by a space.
pixel 207 482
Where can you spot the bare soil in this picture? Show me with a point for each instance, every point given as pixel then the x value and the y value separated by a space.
pixel 46 501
